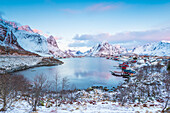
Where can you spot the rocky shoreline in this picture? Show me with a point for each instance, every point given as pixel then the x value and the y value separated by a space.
pixel 10 64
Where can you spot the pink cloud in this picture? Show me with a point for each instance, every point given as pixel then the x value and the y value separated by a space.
pixel 144 36
pixel 95 7
pixel 102 7
pixel 57 38
pixel 150 35
pixel 46 35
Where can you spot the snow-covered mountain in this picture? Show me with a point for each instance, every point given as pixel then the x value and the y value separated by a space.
pixel 161 48
pixel 23 37
pixel 20 37
pixel 72 53
pixel 105 48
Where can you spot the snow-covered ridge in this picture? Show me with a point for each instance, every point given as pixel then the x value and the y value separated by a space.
pixel 105 48
pixel 26 28
pixel 165 41
pixel 161 48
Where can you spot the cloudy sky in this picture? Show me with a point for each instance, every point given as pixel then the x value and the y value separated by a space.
pixel 80 24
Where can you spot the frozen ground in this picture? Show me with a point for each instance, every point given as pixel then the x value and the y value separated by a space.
pixel 88 108
pixel 89 103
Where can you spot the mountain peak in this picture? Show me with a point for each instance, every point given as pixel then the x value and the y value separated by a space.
pixel 161 48
pixel 26 28
pixel 51 40
pixel 104 48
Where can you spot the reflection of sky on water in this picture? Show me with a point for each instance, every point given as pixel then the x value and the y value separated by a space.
pixel 82 72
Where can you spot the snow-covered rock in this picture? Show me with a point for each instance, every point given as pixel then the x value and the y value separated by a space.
pixel 161 48
pixel 7 37
pixel 105 48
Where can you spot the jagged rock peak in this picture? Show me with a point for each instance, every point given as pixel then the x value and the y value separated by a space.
pixel 51 40
pixel 7 37
pixel 105 48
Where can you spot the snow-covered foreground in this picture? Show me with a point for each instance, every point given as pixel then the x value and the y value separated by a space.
pixel 88 108
pixel 88 103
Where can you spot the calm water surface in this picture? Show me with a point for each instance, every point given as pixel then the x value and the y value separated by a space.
pixel 82 72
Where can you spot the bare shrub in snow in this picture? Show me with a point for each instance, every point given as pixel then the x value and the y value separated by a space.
pixel 64 85
pixel 57 83
pixel 39 86
pixel 166 81
pixel 151 83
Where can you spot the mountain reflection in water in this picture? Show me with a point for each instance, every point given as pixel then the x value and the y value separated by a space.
pixel 82 72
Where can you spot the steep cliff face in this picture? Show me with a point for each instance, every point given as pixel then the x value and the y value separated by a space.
pixel 51 41
pixel 7 37
pixel 54 49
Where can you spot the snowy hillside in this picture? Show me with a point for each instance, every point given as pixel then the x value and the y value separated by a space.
pixel 161 48
pixel 32 42
pixel 19 37
pixel 105 48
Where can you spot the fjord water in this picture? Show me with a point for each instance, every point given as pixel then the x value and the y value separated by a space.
pixel 81 72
